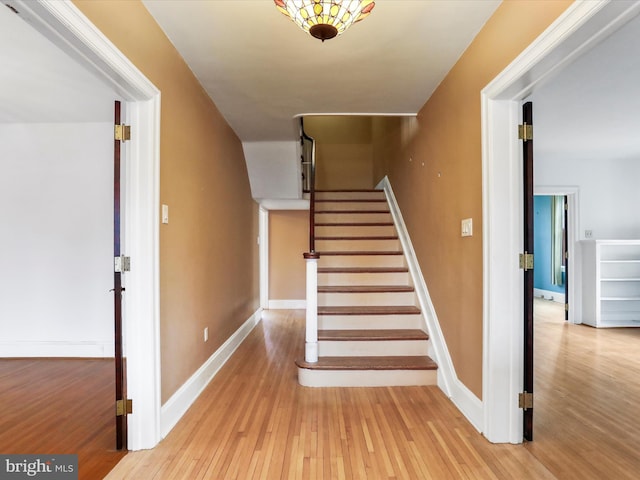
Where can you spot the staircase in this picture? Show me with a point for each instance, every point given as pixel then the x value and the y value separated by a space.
pixel 370 330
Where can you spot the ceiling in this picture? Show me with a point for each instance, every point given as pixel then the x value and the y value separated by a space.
pixel 589 110
pixel 262 70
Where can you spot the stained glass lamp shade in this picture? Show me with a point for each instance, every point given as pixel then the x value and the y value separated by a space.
pixel 324 19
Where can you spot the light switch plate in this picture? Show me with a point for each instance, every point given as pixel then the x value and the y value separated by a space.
pixel 467 227
pixel 165 213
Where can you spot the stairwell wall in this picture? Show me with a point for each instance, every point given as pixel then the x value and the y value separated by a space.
pixel 437 179
pixel 208 251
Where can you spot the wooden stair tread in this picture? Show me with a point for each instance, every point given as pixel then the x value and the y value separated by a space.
pixel 366 190
pixel 354 224
pixel 365 288
pixel 370 310
pixel 352 200
pixel 371 237
pixel 370 363
pixel 352 211
pixel 362 269
pixel 360 252
pixel 375 335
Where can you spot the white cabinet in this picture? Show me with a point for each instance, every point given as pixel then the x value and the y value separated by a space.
pixel 611 283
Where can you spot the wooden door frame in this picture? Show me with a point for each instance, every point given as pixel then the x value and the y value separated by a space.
pixel 577 30
pixel 69 29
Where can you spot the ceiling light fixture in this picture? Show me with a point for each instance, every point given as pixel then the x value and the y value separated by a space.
pixel 324 19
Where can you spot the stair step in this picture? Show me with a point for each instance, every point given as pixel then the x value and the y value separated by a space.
pixel 358 259
pixel 351 200
pixel 362 212
pixel 360 252
pixel 372 335
pixel 364 288
pixel 414 362
pixel 362 269
pixel 354 224
pixel 368 237
pixel 349 195
pixel 380 322
pixel 370 310
pixel 351 204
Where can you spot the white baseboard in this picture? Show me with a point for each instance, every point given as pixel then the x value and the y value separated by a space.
pixel 470 405
pixel 548 295
pixel 287 304
pixel 56 349
pixel 173 410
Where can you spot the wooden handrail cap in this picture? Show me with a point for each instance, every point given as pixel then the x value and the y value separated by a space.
pixel 311 255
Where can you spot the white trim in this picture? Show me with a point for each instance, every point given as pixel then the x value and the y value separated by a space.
pixel 263 227
pixel 287 304
pixel 581 26
pixel 183 398
pixel 468 403
pixel 557 297
pixel 63 349
pixel 66 26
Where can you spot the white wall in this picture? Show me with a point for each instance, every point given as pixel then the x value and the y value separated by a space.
pixel 609 193
pixel 56 240
pixel 274 169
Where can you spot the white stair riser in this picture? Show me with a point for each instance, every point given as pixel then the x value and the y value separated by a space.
pixel 378 348
pixel 337 206
pixel 361 261
pixel 357 231
pixel 334 217
pixel 363 278
pixel 366 378
pixel 373 322
pixel 350 195
pixel 366 299
pixel 357 245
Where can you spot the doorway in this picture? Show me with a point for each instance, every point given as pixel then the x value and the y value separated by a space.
pixel 64 26
pixel 580 28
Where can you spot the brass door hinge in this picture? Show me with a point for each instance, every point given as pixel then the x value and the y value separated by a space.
pixel 121 264
pixel 122 132
pixel 566 307
pixel 124 407
pixel 526 261
pixel 525 132
pixel 525 400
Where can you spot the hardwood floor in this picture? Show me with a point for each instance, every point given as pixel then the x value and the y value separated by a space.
pixel 255 422
pixel 587 391
pixel 59 406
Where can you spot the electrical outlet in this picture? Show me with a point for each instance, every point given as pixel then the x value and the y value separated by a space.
pixel 588 234
pixel 206 334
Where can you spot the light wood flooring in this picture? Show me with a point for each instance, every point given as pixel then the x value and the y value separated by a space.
pixel 254 421
pixel 587 384
pixel 60 406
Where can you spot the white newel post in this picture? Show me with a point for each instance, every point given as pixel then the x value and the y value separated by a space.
pixel 311 335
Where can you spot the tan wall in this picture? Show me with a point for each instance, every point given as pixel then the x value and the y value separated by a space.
pixel 208 250
pixel 434 198
pixel 386 140
pixel 288 240
pixel 343 151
